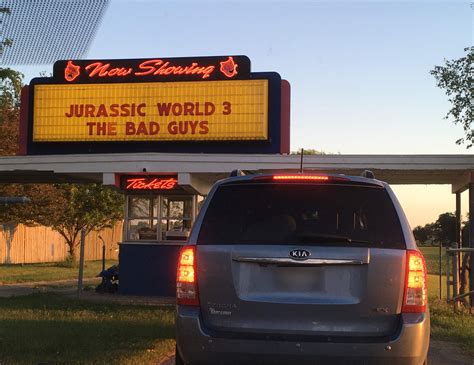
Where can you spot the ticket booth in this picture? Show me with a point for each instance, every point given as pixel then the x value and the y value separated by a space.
pixel 159 215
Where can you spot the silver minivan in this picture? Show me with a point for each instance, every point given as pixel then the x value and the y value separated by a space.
pixel 301 269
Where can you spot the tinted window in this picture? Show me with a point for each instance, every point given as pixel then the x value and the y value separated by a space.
pixel 296 213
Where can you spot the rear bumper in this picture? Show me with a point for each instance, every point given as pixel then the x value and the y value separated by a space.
pixel 409 347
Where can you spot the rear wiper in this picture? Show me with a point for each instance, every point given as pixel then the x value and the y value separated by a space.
pixel 309 237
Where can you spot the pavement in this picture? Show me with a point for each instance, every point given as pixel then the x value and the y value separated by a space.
pixel 444 353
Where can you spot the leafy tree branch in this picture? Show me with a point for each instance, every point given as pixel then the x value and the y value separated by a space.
pixel 455 78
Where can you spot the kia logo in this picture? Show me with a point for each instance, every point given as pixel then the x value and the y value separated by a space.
pixel 300 254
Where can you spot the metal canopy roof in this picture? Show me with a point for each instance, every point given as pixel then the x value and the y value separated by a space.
pixel 457 170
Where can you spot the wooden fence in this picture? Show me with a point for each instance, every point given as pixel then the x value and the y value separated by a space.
pixel 23 244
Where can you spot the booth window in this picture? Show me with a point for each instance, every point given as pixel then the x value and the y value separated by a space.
pixel 176 218
pixel 142 218
pixel 176 215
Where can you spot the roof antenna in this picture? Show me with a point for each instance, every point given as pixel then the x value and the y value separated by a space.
pixel 301 162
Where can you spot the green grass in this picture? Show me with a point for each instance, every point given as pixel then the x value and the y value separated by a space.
pixel 10 274
pixel 51 328
pixel 450 326
pixel 433 286
pixel 446 324
pixel 431 255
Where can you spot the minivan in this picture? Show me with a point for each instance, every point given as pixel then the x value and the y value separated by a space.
pixel 301 268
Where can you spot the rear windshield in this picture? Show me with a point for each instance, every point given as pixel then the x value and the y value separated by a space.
pixel 301 214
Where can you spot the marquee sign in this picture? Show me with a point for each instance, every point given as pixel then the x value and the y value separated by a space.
pixel 166 111
pixel 202 104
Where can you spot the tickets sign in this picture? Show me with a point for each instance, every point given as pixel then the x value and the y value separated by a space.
pixel 164 111
pixel 144 183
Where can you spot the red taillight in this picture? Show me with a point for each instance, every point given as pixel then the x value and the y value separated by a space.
pixel 186 282
pixel 415 295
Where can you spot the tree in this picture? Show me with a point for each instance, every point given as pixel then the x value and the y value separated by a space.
pixel 67 209
pixel 91 207
pixel 446 228
pixel 6 42
pixel 421 234
pixel 11 82
pixel 10 88
pixel 455 78
pixel 442 231
pixel 426 234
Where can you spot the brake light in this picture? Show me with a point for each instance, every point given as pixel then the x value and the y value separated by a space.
pixel 415 294
pixel 186 282
pixel 301 177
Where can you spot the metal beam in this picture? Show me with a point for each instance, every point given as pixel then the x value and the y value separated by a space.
pixel 395 169
pixel 462 182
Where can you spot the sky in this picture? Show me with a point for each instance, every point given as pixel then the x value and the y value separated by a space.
pixel 359 71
